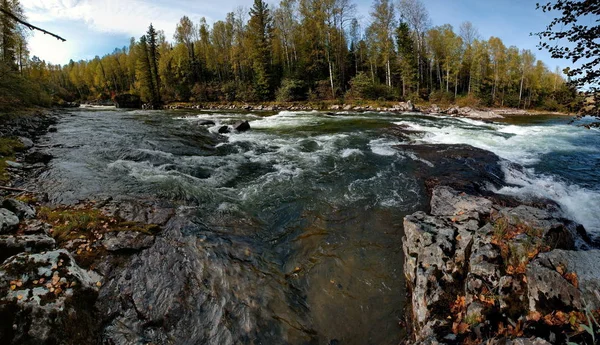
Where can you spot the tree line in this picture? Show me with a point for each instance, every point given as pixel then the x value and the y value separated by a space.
pixel 305 50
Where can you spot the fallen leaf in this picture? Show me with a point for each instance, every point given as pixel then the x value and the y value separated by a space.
pixel 13 287
pixel 19 297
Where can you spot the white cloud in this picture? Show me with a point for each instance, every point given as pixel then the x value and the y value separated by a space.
pixel 48 48
pixel 130 17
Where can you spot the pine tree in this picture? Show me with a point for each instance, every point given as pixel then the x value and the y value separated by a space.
pixel 260 34
pixel 144 71
pixel 153 57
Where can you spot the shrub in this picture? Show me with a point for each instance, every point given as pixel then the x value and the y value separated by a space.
pixel 291 90
pixel 468 101
pixel 441 97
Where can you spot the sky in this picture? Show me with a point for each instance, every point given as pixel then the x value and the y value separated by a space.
pixel 97 27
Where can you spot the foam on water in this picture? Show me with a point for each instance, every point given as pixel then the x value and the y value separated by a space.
pixel 580 204
pixel 384 146
pixel 520 144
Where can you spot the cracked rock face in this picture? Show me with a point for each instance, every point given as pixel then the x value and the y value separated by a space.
pixel 549 286
pixel 471 264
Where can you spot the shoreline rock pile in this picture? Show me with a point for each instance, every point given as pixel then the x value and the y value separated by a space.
pixel 478 271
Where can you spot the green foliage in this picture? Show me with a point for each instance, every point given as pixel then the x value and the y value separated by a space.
pixel 298 50
pixel 441 97
pixel 291 90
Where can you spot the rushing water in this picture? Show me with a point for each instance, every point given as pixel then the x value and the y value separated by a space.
pixel 321 197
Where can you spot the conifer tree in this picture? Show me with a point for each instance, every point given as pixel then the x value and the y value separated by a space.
pixel 260 34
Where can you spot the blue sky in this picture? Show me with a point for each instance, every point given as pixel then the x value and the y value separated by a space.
pixel 96 27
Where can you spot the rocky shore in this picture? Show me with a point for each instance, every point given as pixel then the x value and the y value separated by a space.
pixel 400 107
pixel 480 267
pixel 481 272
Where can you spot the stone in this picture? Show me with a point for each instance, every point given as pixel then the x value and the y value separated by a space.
pixel 549 290
pixel 38 157
pixel 224 130
pixel 14 165
pixel 34 312
pixel 11 245
pixel 36 226
pixel 27 143
pixel 445 201
pixel 21 209
pixel 242 126
pixel 8 221
pixel 127 241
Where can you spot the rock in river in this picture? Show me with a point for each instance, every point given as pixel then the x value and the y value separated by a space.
pixel 242 126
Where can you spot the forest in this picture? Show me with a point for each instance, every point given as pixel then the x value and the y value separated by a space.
pixel 299 50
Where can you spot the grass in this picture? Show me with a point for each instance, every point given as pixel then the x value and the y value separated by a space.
pixel 87 223
pixel 8 148
pixel 519 243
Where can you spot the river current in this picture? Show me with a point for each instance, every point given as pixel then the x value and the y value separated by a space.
pixel 321 197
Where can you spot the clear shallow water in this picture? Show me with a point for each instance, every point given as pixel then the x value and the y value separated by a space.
pixel 320 197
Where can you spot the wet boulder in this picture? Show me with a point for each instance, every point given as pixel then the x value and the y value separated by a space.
pixel 19 208
pixel 242 126
pixel 206 123
pixel 8 221
pixel 38 157
pixel 224 130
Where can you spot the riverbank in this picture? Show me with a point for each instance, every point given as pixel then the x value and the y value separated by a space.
pixel 200 259
pixel 475 113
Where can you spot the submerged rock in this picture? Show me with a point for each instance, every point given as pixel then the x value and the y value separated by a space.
pixel 206 123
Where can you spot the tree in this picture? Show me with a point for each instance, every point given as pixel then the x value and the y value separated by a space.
pixel 153 57
pixel 407 63
pixel 260 34
pixel 570 25
pixel 382 27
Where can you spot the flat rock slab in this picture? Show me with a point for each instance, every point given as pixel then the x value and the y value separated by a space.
pixel 127 240
pixel 14 244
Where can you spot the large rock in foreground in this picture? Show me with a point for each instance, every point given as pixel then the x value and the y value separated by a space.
pixel 47 298
pixel 477 270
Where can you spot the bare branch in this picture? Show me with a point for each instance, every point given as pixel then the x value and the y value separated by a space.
pixel 30 26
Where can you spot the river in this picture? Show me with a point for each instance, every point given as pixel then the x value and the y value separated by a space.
pixel 320 197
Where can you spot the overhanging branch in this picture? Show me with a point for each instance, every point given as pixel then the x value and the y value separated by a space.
pixel 31 27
